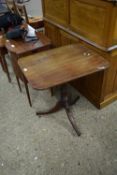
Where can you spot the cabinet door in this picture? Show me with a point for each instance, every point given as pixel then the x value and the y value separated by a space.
pixel 56 10
pixel 90 19
pixel 65 38
pixel 51 32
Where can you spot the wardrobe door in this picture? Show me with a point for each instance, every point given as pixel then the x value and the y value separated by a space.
pixel 56 10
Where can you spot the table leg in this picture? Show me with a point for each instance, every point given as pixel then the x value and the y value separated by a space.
pixel 27 89
pixel 52 91
pixel 64 102
pixel 18 82
pixel 6 69
pixel 70 115
pixel 20 76
pixel 56 108
pixel 4 65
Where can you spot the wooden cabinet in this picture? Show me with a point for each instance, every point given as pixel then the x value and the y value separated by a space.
pixel 95 21
pixel 94 24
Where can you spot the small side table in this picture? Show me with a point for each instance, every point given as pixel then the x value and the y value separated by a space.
pixel 19 48
pixel 59 66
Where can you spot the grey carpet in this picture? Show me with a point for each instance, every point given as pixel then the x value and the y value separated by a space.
pixel 48 146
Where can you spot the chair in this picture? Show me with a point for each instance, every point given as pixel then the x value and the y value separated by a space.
pixel 35 22
pixel 21 10
pixel 11 5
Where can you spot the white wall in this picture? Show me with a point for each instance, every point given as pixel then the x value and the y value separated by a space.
pixel 34 8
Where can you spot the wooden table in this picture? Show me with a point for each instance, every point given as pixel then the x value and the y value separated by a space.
pixel 18 48
pixel 59 66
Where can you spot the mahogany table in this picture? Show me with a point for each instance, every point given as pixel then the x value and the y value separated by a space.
pixel 59 66
pixel 19 48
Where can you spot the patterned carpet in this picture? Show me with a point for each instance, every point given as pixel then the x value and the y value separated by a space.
pixel 49 146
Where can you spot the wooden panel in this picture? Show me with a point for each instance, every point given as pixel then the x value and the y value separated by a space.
pixel 58 36
pixel 91 87
pixel 57 10
pixel 110 76
pixel 115 26
pixel 51 32
pixel 65 38
pixel 91 19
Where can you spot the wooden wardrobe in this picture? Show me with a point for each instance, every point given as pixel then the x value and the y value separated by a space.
pixel 94 24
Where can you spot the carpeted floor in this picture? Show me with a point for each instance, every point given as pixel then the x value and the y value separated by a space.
pixel 48 146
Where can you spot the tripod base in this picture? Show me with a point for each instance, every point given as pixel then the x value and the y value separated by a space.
pixel 66 103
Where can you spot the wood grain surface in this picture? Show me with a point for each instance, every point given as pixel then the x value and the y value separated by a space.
pixel 57 66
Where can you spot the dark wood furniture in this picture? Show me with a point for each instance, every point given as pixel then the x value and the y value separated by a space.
pixel 93 23
pixel 3 52
pixel 58 67
pixel 18 48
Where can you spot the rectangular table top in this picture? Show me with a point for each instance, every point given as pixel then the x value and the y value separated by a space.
pixel 20 47
pixel 60 65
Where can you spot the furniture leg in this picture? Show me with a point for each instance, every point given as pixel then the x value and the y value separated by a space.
pixel 6 68
pixel 4 63
pixel 27 92
pixel 56 108
pixel 20 75
pixel 18 82
pixel 65 101
pixel 70 115
pixel 72 120
pixel 52 91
